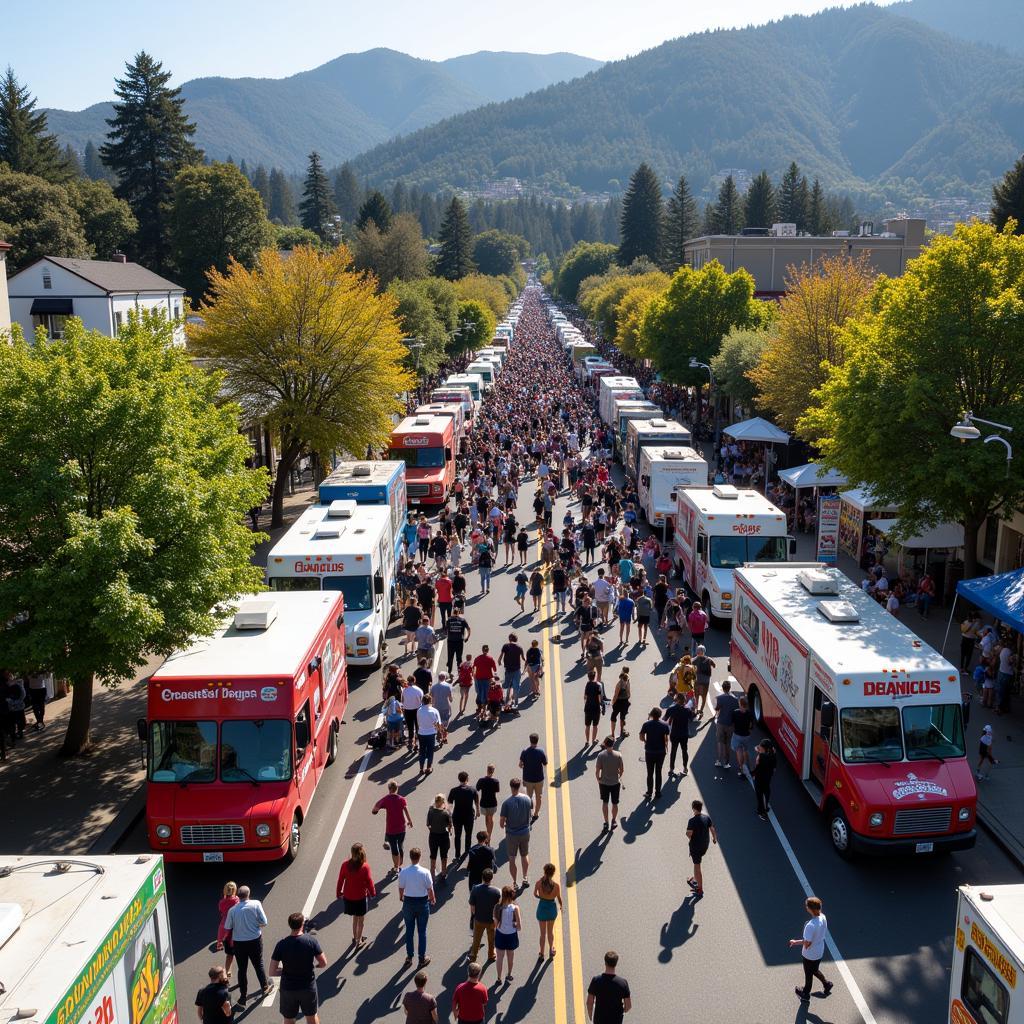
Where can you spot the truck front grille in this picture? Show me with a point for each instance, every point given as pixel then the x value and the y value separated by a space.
pixel 417 490
pixel 923 819
pixel 212 835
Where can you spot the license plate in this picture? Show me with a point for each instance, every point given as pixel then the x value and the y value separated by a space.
pixel 216 857
pixel 924 847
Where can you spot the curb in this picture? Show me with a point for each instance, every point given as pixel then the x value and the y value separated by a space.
pixel 1002 837
pixel 124 821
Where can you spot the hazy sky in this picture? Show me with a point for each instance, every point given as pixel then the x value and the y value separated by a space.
pixel 69 51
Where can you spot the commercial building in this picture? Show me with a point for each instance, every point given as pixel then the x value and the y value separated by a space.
pixel 768 253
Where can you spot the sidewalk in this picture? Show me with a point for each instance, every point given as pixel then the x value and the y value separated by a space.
pixel 85 805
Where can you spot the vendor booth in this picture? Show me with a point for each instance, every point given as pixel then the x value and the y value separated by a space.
pixel 759 431
pixel 929 550
pixel 857 507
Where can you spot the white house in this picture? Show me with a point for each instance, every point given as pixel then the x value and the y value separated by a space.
pixel 100 292
pixel 5 309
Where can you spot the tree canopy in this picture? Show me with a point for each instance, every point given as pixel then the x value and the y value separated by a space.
pixel 640 226
pixel 38 219
pixel 1008 198
pixel 455 260
pixel 742 349
pixel 583 260
pixel 108 222
pixel 376 210
pixel 25 143
pixel 400 253
pixel 317 206
pixel 682 222
pixel 499 252
pixel 759 206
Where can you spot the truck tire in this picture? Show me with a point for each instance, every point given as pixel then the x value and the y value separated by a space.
pixel 756 705
pixel 378 661
pixel 332 745
pixel 839 832
pixel 294 839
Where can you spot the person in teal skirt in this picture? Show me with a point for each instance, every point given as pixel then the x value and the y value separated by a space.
pixel 548 894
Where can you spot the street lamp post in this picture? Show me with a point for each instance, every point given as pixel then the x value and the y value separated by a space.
pixel 965 431
pixel 696 364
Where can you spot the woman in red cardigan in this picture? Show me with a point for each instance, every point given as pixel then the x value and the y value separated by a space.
pixel 355 885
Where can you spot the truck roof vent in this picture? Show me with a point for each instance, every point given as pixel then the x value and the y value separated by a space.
pixel 676 453
pixel 327 532
pixel 818 581
pixel 659 423
pixel 839 611
pixel 422 421
pixel 342 509
pixel 255 613
pixel 726 492
pixel 363 469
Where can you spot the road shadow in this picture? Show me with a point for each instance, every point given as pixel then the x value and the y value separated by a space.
pixel 678 929
pixel 588 859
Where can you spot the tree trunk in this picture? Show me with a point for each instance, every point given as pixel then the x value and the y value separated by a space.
pixel 972 528
pixel 77 739
pixel 289 455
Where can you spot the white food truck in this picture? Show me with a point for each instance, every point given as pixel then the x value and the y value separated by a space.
pixel 85 939
pixel 988 956
pixel 347 547
pixel 664 470
pixel 615 387
pixel 867 714
pixel 627 409
pixel 718 529
pixel 658 430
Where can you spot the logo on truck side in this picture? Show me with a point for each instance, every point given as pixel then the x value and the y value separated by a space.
pixel 746 528
pixel 913 786
pixel 901 687
pixel 779 664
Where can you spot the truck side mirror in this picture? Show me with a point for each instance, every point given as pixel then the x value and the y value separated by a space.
pixel 672 497
pixel 378 584
pixel 142 730
pixel 447 455
pixel 828 715
pixel 792 547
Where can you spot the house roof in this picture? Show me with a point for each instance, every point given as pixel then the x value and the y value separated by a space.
pixel 114 276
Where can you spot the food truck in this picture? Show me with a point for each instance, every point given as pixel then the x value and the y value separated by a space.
pixel 664 470
pixel 85 939
pixel 240 727
pixel 485 370
pixel 717 529
pixel 856 507
pixel 370 483
pixel 427 446
pixel 988 955
pixel 460 395
pixel 868 715
pixel 627 409
pixel 473 381
pixel 640 433
pixel 615 387
pixel 445 409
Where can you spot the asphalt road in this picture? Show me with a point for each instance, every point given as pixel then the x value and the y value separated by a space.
pixel 723 958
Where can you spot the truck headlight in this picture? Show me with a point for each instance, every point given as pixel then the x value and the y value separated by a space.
pixel 163 831
pixel 964 814
pixel 362 641
pixel 435 488
pixel 263 830
pixel 726 595
pixel 875 821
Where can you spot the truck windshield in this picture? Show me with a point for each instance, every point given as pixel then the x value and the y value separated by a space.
pixel 933 730
pixel 259 751
pixel 871 734
pixel 288 583
pixel 358 591
pixel 418 458
pixel 732 552
pixel 182 751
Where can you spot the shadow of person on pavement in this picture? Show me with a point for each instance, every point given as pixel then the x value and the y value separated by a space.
pixel 524 996
pixel 588 859
pixel 678 929
pixel 638 821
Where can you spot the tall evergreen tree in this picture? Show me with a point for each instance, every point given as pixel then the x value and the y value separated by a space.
pixel 25 144
pixel 261 182
pixel 455 260
pixel 819 219
pixel 610 221
pixel 682 222
pixel 244 168
pixel 376 209
pixel 759 206
pixel 282 199
pixel 727 211
pixel 793 198
pixel 317 206
pixel 641 225
pixel 71 161
pixel 93 165
pixel 149 141
pixel 1008 198
pixel 347 193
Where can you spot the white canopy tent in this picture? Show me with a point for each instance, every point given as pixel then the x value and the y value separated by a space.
pixel 757 429
pixel 860 498
pixel 945 535
pixel 813 474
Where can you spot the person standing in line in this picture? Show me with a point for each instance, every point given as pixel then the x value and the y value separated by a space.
pixel 411 615
pixel 812 949
pixel 742 723
pixel 679 716
pixel 419 1005
pixel 699 830
pixel 764 769
pixel 985 753
pixel 246 921
pixel 480 857
pixel 465 807
pixel 441 697
pixel 214 1000
pixel 608 770
pixel 548 894
pixel 483 898
pixel 428 722
pixel 508 923
pixel 515 819
pixel 37 699
pixel 488 787
pixel 412 698
pixel 458 633
pixel 469 1000
pixel 725 709
pixel 439 835
pixel 703 666
pixel 608 998
pixel 532 762
pixel 970 631
pixel 416 894
pixel 229 897
pixel 355 886
pixel 293 962
pixel 654 734
pixel 396 818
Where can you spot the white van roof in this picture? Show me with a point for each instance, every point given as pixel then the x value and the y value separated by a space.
pixel 730 501
pixel 317 533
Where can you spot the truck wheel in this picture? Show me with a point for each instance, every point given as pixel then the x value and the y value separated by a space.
pixel 380 654
pixel 839 833
pixel 332 746
pixel 294 838
pixel 756 706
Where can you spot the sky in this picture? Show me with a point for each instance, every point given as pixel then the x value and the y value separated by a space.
pixel 69 55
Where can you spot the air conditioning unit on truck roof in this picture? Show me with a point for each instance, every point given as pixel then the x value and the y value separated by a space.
pixel 818 581
pixel 255 614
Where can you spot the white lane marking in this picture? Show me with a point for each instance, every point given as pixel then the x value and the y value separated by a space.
pixel 847 975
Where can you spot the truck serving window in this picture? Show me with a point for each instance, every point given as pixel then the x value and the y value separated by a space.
pixel 259 751
pixel 982 992
pixel 933 730
pixel 749 623
pixel 418 458
pixel 358 591
pixel 182 751
pixel 871 734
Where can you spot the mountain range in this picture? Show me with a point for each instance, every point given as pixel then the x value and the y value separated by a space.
pixel 341 108
pixel 870 101
pixel 996 22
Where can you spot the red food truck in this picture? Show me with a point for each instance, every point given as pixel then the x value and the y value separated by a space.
pixel 426 443
pixel 240 727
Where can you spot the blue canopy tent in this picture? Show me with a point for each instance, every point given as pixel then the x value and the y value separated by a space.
pixel 1000 596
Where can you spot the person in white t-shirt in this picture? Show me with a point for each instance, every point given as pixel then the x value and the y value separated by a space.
pixel 428 722
pixel 812 949
pixel 603 594
pixel 892 606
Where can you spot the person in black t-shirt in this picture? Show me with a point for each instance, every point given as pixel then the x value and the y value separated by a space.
pixel 699 830
pixel 458 633
pixel 480 856
pixel 214 1000
pixel 655 735
pixel 293 960
pixel 465 807
pixel 488 787
pixel 608 998
pixel 679 716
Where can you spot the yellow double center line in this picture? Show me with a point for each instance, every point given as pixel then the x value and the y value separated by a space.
pixel 554 718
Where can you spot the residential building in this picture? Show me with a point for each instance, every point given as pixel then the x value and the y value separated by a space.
pixel 5 308
pixel 768 253
pixel 99 292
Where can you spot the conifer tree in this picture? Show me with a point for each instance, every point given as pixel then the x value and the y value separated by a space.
pixel 93 165
pixel 641 222
pixel 455 259
pixel 682 222
pixel 282 201
pixel 347 193
pixel 25 144
pixel 317 206
pixel 261 182
pixel 727 211
pixel 759 206
pixel 819 220
pixel 1008 198
pixel 793 198
pixel 376 209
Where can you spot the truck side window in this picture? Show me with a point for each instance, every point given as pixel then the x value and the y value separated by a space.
pixel 302 731
pixel 750 624
pixel 982 992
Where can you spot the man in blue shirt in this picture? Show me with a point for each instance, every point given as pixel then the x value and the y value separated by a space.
pixel 246 921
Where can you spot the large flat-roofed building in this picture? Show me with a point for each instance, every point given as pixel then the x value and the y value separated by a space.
pixel 769 253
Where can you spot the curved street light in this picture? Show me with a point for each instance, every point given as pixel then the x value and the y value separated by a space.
pixel 965 431
pixel 696 364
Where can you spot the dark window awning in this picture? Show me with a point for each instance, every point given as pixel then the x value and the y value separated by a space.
pixel 41 306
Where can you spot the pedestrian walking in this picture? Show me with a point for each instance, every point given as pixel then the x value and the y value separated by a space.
pixel 480 857
pixel 985 753
pixel 654 734
pixel 644 609
pixel 698 621
pixel 484 897
pixel 548 894
pixel 764 769
pixel 620 702
pixel 511 657
pixel 534 667
pixel 428 722
pixel 812 949
pixel 593 705
pixel 457 634
pixel 411 616
pixel 484 670
pixel 441 694
pixel 488 787
pixel 396 818
pixel 469 1000
pixel 625 611
pixel 726 706
pixel 294 961
pixel 532 763
pixel 412 698
pixel 439 835
pixel 516 818
pixel 214 1000
pixel 416 894
pixel 536 588
pixel 608 998
pixel 608 770
pixel 522 586
pixel 443 588
pixel 700 833
pixel 742 723
pixel 246 921
pixel 465 807
pixel 419 1005
pixel 355 886
pixel 485 563
pixel 704 667
pixel 229 897
pixel 508 923
pixel 680 718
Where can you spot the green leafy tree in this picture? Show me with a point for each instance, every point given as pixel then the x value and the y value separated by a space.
pixel 476 327
pixel 282 200
pixel 740 353
pixel 38 219
pixel 292 236
pixel 400 253
pixel 455 260
pixel 583 260
pixel 499 252
pixel 494 292
pixel 1008 198
pixel 641 223
pixel 317 206
pixel 759 206
pixel 682 222
pixel 217 217
pixel 427 333
pixel 116 551
pixel 793 198
pixel 631 310
pixel 946 336
pixel 108 222
pixel 726 216
pixel 347 193
pixel 375 210
pixel 149 141
pixel 25 144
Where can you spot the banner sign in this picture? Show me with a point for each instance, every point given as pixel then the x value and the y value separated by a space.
pixel 828 528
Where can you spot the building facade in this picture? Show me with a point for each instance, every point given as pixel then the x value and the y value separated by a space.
pixel 5 307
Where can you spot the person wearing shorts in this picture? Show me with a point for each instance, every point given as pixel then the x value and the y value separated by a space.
pixel 742 722
pixel 726 706
pixel 396 817
pixel 515 819
pixel 484 669
pixel 595 654
pixel 532 763
pixel 293 960
pixel 488 787
pixel 700 829
pixel 608 770
pixel 593 695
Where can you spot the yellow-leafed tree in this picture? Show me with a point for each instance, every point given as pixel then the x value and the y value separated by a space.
pixel 309 346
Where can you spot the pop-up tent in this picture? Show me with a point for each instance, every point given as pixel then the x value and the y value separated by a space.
pixel 1001 596
pixel 813 474
pixel 757 429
